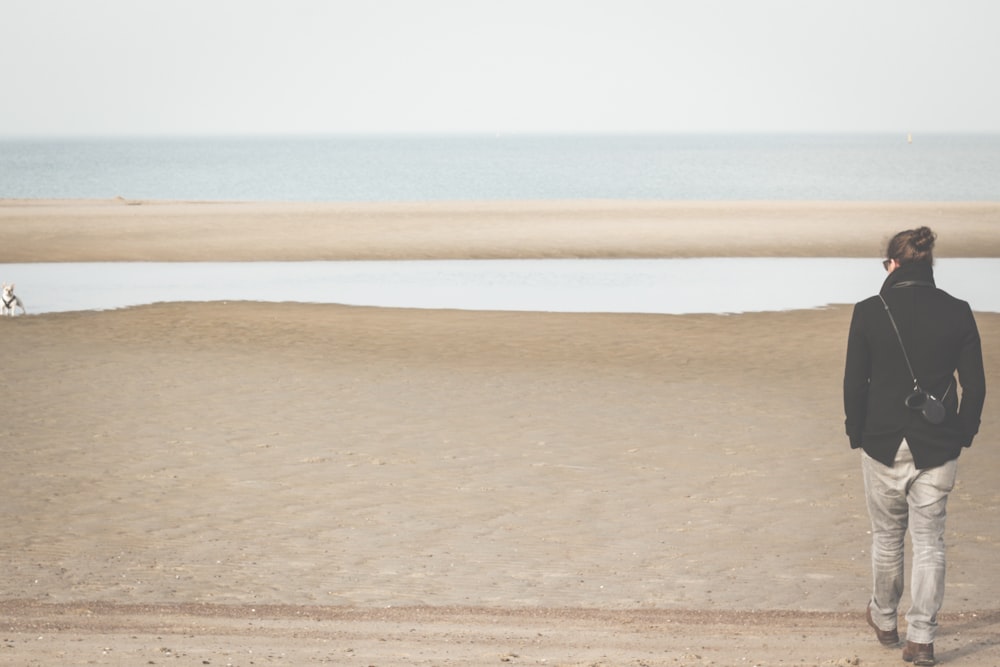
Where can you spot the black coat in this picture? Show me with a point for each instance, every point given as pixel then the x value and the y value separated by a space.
pixel 941 337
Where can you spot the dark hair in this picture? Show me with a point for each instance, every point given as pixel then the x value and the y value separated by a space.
pixel 912 245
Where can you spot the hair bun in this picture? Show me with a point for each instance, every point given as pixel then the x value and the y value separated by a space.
pixel 923 239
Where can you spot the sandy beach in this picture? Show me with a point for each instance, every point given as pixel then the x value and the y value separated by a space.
pixel 123 230
pixel 294 484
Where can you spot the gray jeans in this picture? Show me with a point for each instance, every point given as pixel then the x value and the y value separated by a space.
pixel 901 497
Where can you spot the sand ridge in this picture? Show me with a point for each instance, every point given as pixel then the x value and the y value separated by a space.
pixel 119 230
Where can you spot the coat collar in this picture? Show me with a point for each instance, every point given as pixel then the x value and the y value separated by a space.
pixel 922 271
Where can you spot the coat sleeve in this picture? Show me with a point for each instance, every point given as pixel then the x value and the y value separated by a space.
pixel 972 377
pixel 857 376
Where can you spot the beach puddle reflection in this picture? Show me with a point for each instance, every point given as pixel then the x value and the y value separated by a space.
pixel 669 286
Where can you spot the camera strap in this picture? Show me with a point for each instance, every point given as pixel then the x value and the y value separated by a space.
pixel 906 357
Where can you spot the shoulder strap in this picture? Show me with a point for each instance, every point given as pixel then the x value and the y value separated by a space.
pixel 916 385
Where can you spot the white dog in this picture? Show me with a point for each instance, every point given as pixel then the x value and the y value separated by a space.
pixel 10 301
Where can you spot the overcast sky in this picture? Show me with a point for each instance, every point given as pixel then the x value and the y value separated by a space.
pixel 164 67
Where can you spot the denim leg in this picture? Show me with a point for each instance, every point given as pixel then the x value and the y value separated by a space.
pixel 928 496
pixel 885 491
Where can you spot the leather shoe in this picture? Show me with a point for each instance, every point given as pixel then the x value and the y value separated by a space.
pixel 919 654
pixel 885 637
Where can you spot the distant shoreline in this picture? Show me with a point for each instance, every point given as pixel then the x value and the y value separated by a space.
pixel 52 230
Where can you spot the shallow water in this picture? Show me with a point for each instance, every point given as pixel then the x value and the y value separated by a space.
pixel 672 286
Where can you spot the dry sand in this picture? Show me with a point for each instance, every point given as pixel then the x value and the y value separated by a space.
pixel 291 484
pixel 79 231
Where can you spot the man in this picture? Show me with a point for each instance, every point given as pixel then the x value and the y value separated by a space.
pixel 892 382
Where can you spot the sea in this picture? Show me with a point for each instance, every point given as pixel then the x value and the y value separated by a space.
pixel 382 168
pixel 411 168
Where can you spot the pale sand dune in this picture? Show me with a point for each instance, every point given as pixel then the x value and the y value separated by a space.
pixel 293 484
